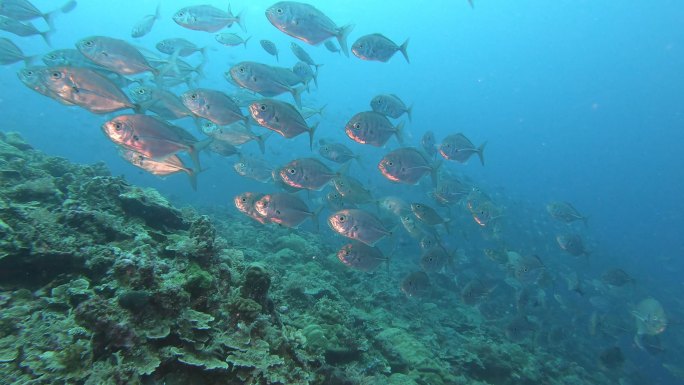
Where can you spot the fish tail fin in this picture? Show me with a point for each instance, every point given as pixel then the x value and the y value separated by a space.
pixel 240 19
pixel 297 95
pixel 46 36
pixel 199 70
pixel 203 52
pixel 409 112
pixel 402 48
pixel 399 132
pixel 28 60
pixel 447 228
pixel 342 35
pixel 195 149
pixel 245 41
pixel 320 110
pixel 261 141
pixel 358 160
pixel 192 175
pixel 50 16
pixel 312 129
pixel 157 11
pixel 344 169
pixel 480 152
pixel 315 75
pixel 586 221
pixel 472 5
pixel 315 217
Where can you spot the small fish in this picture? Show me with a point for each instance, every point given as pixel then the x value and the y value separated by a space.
pixel 23 10
pixel 308 112
pixel 459 148
pixel 434 259
pixel 450 190
pixel 206 18
pixel 306 173
pixel 370 127
pixel 167 166
pixel 429 216
pixel 352 190
pixel 415 284
pixel 390 105
pixel 335 152
pixel 10 53
pixel 164 103
pixel 565 212
pixel 235 133
pixel 285 209
pixel 394 205
pixel 213 105
pixel 330 46
pixel 572 243
pixel 650 319
pixel 528 269
pixel 617 277
pixel 519 328
pixel 270 48
pixel 377 47
pixel 266 80
pixel 359 225
pixel 428 143
pixel 429 241
pixel 306 23
pixel 360 256
pixel 303 56
pixel 23 29
pixel 179 47
pixel 475 292
pixel 231 39
pixel 115 55
pixel 407 165
pixel 245 204
pixel 223 148
pixel 334 201
pixel 144 25
pixel 282 118
pixel 415 228
pixel 152 137
pixel 305 73
pixel 85 88
pixel 254 168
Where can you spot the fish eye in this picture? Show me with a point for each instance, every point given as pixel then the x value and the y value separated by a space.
pixel 243 199
pixel 357 126
pixel 29 73
pixel 141 91
pixel 118 126
pixel 56 75
pixel 341 218
pixel 180 14
pixel 242 70
pixel 262 107
pixel 88 43
pixel 279 10
pixel 193 96
pixel 277 212
pixel 292 171
pixel 390 163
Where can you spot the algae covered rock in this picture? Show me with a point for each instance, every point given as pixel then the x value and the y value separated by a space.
pixel 153 208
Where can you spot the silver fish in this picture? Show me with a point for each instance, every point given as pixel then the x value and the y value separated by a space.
pixel 164 103
pixel 152 137
pixel 377 47
pixel 428 143
pixel 360 256
pixel 476 291
pixel 336 152
pixel 285 209
pixel 415 284
pixel 330 46
pixel 305 73
pixel 231 39
pixel 223 148
pixel 206 18
pixel 528 269
pixel 167 166
pixel 572 243
pixel 390 105
pixel 23 10
pixel 236 134
pixel 85 88
pixel 352 190
pixel 407 165
pixel 23 29
pixel 459 148
pixel 565 212
pixel 180 47
pixel 245 204
pixel 10 53
pixel 359 225
pixel 306 173
pixel 282 118
pixel 144 25
pixel 303 56
pixel 370 127
pixel 429 216
pixel 308 112
pixel 213 105
pixel 115 54
pixel 434 259
pixel 32 78
pixel 306 23
pixel 270 48
pixel 265 80
pixel 254 168
pixel 394 205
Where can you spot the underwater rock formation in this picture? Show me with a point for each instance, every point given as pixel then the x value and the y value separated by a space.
pixel 102 282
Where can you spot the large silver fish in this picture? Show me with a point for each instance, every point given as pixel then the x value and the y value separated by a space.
pixel 213 105
pixel 370 127
pixel 415 284
pixel 459 148
pixel 23 29
pixel 336 152
pixel 390 105
pixel 23 10
pixel 152 137
pixel 360 256
pixel 377 47
pixel 285 209
pixel 282 118
pixel 162 102
pixel 266 80
pixel 254 168
pixel 236 134
pixel 167 166
pixel 407 165
pixel 306 173
pixel 359 225
pixel 352 190
pixel 206 18
pixel 245 203
pixel 115 54
pixel 306 23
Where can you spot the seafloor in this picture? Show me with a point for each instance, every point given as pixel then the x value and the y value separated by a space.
pixel 102 282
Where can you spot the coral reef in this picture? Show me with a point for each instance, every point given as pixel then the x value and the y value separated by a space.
pixel 102 282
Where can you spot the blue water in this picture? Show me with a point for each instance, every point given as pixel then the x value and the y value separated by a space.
pixel 578 100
